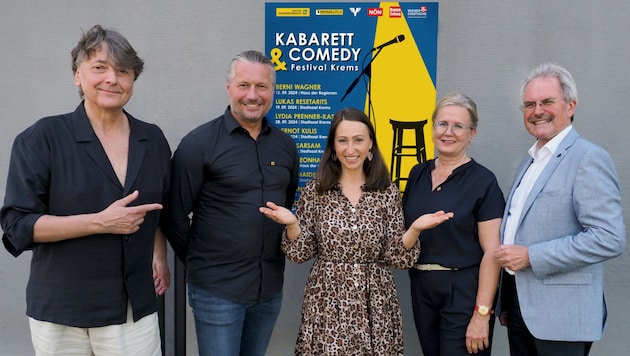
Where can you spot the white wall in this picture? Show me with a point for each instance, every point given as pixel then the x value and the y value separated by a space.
pixel 485 49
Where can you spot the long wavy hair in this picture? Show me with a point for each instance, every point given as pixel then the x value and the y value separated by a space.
pixel 329 170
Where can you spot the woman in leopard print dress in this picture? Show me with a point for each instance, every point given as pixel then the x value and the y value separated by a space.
pixel 349 218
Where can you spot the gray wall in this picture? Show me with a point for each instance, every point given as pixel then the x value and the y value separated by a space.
pixel 485 49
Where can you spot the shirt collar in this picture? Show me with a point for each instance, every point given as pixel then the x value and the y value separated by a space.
pixel 232 124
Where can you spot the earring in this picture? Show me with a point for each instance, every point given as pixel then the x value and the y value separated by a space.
pixel 370 155
pixel 334 156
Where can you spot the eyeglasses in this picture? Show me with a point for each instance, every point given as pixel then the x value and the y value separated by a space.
pixel 544 104
pixel 441 127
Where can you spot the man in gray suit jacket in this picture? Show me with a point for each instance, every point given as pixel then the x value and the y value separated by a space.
pixel 562 220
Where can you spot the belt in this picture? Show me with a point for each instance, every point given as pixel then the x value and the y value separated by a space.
pixel 433 267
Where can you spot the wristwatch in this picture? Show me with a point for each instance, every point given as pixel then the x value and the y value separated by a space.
pixel 483 310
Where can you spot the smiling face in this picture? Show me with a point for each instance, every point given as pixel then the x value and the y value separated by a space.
pixel 251 92
pixel 452 131
pixel 104 85
pixel 352 144
pixel 545 112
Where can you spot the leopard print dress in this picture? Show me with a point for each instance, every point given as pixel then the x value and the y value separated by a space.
pixel 350 302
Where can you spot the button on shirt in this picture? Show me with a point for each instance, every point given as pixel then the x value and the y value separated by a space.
pixel 540 158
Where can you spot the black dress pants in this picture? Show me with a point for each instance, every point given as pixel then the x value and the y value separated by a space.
pixel 443 303
pixel 522 342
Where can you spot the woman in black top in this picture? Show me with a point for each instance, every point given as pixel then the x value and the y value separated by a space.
pixel 454 282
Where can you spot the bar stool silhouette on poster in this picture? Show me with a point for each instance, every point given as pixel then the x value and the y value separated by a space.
pixel 400 149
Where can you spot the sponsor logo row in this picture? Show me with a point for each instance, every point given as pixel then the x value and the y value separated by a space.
pixel 391 11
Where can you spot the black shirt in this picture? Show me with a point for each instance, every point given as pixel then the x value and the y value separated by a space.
pixel 222 176
pixel 472 193
pixel 59 167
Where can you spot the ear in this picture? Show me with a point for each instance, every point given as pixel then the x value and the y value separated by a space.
pixel 571 107
pixel 77 81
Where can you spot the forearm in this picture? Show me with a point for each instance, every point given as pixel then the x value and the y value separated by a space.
pixel 159 245
pixel 49 228
pixel 489 271
pixel 410 237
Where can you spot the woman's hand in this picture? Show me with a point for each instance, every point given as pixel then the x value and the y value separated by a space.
pixel 429 221
pixel 284 216
pixel 424 222
pixel 278 214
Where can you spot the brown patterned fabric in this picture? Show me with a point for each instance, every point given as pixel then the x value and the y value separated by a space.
pixel 350 302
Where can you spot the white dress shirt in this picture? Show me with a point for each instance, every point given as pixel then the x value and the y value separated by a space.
pixel 541 157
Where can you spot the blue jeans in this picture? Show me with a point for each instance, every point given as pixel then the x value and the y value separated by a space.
pixel 225 328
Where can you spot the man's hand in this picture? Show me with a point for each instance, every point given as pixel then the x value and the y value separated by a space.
pixel 513 257
pixel 118 218
pixel 161 275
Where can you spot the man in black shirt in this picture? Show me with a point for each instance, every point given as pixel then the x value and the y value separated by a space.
pixel 84 193
pixel 223 171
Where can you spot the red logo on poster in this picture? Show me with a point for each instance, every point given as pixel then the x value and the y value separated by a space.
pixel 375 11
pixel 395 11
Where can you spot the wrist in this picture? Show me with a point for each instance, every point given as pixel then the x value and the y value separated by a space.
pixel 483 310
pixel 293 231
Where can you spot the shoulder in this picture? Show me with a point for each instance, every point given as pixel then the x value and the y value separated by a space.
pixel 392 189
pixel 310 187
pixel 586 152
pixel 46 126
pixel 309 191
pixel 204 133
pixel 421 167
pixel 585 145
pixel 482 171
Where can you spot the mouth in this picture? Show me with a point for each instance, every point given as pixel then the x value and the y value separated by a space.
pixel 545 119
pixel 112 92
pixel 540 122
pixel 252 105
pixel 352 159
pixel 448 142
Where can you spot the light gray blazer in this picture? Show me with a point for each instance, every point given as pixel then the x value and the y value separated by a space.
pixel 572 222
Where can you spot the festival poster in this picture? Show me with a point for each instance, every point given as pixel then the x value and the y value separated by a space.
pixel 378 57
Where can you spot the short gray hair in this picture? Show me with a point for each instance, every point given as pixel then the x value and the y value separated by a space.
pixel 551 70
pixel 253 57
pixel 458 99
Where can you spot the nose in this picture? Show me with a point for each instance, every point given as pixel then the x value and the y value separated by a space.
pixel 539 109
pixel 111 76
pixel 450 129
pixel 252 92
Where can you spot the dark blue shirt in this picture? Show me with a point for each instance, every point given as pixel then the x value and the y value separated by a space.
pixel 222 176
pixel 59 167
pixel 472 193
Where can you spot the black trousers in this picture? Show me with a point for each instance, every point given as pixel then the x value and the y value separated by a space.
pixel 443 303
pixel 522 342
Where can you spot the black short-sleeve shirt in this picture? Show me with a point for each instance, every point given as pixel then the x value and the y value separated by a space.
pixel 472 193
